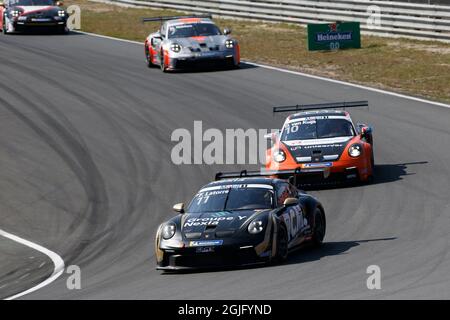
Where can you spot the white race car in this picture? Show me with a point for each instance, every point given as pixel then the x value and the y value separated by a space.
pixel 190 41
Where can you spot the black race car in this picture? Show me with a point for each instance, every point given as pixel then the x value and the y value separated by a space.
pixel 240 219
pixel 23 15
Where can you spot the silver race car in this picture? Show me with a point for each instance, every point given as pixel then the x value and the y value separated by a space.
pixel 190 41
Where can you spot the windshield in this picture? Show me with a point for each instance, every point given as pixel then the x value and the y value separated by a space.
pixel 317 128
pixel 193 30
pixel 31 3
pixel 232 197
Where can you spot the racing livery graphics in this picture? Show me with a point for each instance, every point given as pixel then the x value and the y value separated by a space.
pixel 323 143
pixel 21 15
pixel 239 221
pixel 189 41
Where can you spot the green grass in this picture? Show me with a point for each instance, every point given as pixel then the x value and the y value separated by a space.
pixel 420 68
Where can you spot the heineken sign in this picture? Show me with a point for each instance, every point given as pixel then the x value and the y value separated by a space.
pixel 333 36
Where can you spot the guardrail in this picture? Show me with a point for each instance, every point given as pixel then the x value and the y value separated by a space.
pixel 398 19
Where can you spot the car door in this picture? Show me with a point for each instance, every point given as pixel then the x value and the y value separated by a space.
pixel 292 216
pixel 2 10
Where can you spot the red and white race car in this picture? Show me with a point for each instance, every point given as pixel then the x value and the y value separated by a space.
pixel 22 15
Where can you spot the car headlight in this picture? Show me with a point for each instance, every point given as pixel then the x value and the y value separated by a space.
pixel 168 230
pixel 255 227
pixel 61 13
pixel 279 156
pixel 355 150
pixel 175 47
pixel 229 44
pixel 15 13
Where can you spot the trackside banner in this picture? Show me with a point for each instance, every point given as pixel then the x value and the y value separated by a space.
pixel 334 36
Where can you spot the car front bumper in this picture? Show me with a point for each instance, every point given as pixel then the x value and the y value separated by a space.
pixel 222 257
pixel 337 171
pixel 185 256
pixel 202 59
pixel 43 23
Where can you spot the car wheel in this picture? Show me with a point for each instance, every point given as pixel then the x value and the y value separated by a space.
pixel 163 66
pixel 372 164
pixel 62 30
pixel 148 58
pixel 372 161
pixel 319 228
pixel 371 177
pixel 5 28
pixel 282 245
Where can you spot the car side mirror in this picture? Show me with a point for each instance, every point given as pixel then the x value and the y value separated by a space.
pixel 273 135
pixel 179 207
pixel 226 31
pixel 158 38
pixel 366 132
pixel 290 202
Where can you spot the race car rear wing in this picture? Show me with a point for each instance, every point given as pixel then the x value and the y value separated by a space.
pixel 260 173
pixel 321 106
pixel 166 18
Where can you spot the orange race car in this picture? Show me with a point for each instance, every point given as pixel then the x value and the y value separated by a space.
pixel 322 144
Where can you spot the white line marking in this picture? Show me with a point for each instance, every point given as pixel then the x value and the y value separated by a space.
pixel 399 95
pixel 56 259
pixel 107 37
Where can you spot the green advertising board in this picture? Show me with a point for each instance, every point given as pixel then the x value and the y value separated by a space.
pixel 334 36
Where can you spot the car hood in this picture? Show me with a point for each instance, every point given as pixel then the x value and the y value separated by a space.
pixel 201 42
pixel 317 149
pixel 36 9
pixel 217 221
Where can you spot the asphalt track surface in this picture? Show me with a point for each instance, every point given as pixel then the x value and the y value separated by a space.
pixel 85 171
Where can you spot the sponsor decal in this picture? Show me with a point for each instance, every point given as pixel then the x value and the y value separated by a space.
pixel 318 146
pixel 226 187
pixel 334 36
pixel 318 165
pixel 207 221
pixel 204 249
pixel 205 243
pixel 210 221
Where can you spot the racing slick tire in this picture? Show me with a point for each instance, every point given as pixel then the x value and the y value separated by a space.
pixel 319 228
pixel 282 245
pixel 162 65
pixel 371 177
pixel 230 65
pixel 62 30
pixel 234 66
pixel 5 28
pixel 372 164
pixel 148 58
